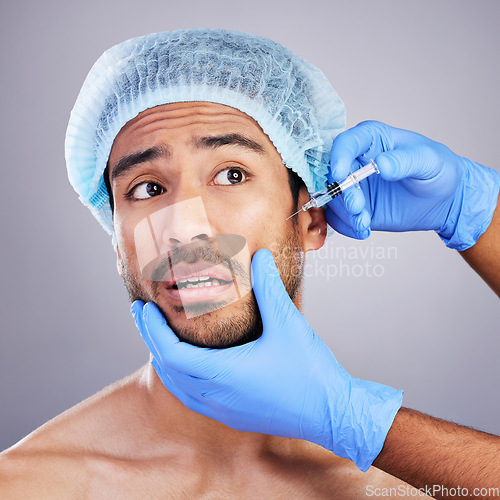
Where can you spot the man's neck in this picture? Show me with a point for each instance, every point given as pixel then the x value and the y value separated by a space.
pixel 170 421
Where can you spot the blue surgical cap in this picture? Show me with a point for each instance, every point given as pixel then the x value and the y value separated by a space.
pixel 290 99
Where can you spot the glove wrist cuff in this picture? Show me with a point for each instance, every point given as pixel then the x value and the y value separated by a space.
pixel 473 207
pixel 369 415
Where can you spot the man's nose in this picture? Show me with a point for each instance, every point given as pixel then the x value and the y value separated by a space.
pixel 184 222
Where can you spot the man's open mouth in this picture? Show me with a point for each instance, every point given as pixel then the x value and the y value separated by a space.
pixel 199 282
pixel 202 287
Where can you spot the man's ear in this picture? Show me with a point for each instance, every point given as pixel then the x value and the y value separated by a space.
pixel 312 223
pixel 119 264
pixel 315 236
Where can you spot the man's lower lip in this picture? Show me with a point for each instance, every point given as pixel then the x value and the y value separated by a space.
pixel 201 294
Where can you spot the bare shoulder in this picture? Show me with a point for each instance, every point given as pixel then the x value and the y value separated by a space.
pixel 38 474
pixel 54 460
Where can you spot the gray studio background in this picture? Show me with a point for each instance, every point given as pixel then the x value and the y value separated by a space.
pixel 400 309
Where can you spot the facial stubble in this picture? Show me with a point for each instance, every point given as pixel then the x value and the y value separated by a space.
pixel 212 329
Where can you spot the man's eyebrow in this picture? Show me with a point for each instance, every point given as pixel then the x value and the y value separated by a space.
pixel 218 141
pixel 128 162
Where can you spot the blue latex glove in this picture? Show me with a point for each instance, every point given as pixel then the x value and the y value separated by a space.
pixel 422 186
pixel 286 383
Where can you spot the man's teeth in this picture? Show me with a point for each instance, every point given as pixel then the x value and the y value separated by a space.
pixel 198 282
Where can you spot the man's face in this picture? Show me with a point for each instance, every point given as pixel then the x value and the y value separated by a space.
pixel 208 178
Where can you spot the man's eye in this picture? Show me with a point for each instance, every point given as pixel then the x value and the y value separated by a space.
pixel 146 190
pixel 230 176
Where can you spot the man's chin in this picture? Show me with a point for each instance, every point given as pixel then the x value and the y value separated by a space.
pixel 213 325
pixel 194 309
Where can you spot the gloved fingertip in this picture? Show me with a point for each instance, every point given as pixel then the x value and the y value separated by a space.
pixel 360 224
pixel 263 265
pixel 150 310
pixel 354 200
pixel 268 287
pixel 389 166
pixel 364 220
pixel 331 175
pixel 153 319
pixel 363 235
pixel 263 254
pixel 138 314
pixel 156 332
pixel 137 307
pixel 339 168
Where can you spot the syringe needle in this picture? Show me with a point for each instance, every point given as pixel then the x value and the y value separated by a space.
pixel 293 214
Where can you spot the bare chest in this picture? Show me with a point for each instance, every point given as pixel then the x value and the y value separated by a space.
pixel 167 480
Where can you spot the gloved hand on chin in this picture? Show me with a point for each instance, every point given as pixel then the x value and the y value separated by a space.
pixel 422 185
pixel 286 383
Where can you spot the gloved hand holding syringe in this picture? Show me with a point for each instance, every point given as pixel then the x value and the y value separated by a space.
pixel 320 198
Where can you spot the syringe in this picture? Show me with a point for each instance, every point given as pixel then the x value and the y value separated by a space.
pixel 320 198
